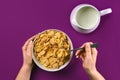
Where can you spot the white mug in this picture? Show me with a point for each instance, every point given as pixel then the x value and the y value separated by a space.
pixel 85 18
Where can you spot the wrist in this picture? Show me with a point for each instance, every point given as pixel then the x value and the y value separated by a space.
pixel 26 66
pixel 95 75
pixel 91 71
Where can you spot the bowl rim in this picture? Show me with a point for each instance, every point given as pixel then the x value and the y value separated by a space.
pixel 61 67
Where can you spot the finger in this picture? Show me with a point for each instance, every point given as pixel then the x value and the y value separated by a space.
pixel 94 54
pixel 26 43
pixel 77 56
pixel 81 57
pixel 78 51
pixel 87 50
pixel 29 48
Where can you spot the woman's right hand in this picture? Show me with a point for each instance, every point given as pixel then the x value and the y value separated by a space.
pixel 89 57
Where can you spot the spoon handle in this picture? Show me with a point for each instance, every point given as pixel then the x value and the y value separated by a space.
pixel 94 45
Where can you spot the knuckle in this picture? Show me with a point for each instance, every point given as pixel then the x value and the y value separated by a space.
pixel 23 48
pixel 88 50
pixel 96 51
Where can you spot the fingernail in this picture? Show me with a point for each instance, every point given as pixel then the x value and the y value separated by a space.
pixel 76 56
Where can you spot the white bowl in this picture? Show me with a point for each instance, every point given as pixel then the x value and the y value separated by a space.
pixel 61 67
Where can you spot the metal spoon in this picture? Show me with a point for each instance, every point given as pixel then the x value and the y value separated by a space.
pixel 94 45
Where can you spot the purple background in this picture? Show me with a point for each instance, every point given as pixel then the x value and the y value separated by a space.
pixel 20 19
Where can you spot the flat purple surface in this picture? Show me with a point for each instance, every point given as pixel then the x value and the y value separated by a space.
pixel 20 19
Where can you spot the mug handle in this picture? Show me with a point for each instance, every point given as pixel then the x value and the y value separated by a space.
pixel 105 11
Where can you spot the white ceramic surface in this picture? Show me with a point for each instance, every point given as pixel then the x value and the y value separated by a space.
pixel 60 68
pixel 82 29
